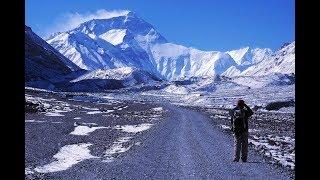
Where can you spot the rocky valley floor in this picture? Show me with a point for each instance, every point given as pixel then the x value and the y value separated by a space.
pixel 107 136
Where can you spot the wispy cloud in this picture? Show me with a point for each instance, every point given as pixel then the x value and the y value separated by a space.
pixel 71 20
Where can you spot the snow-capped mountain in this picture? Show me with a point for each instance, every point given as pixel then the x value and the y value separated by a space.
pixel 246 56
pixel 282 61
pixel 126 40
pixel 176 62
pixel 119 41
pixel 45 67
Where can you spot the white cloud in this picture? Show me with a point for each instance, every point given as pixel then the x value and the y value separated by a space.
pixel 72 20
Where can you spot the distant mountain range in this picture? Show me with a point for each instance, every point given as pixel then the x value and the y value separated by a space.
pixel 99 48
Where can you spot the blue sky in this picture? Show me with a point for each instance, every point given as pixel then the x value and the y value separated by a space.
pixel 204 24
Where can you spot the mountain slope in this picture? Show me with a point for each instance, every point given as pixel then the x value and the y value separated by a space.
pixel 106 79
pixel 45 67
pixel 231 72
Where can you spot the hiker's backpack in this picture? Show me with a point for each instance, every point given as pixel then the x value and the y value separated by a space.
pixel 239 124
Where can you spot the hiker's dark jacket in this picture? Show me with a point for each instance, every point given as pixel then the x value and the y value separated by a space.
pixel 248 113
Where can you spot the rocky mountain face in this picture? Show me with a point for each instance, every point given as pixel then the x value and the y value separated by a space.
pixel 45 67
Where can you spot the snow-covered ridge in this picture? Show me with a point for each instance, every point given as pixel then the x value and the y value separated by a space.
pixel 246 55
pixel 282 61
pixel 176 62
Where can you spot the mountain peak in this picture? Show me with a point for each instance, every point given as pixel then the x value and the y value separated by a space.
pixel 118 20
pixel 239 55
pixel 107 15
pixel 27 28
pixel 246 48
pixel 285 44
pixel 104 14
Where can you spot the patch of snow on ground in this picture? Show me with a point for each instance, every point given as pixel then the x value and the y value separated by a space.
pixel 68 156
pixel 195 99
pixel 158 109
pixel 176 89
pixel 77 118
pixel 121 108
pixel 28 171
pixel 224 126
pixel 57 122
pixel 253 130
pixel 95 124
pixel 94 112
pixel 85 130
pixel 280 149
pixel 117 148
pixel 109 111
pixel 91 109
pixel 220 116
pixel 53 114
pixel 134 128
pixel 59 111
pixel 32 120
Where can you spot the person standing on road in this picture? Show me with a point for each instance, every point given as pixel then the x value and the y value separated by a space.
pixel 239 126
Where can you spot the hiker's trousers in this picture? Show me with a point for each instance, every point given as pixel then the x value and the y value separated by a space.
pixel 241 145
